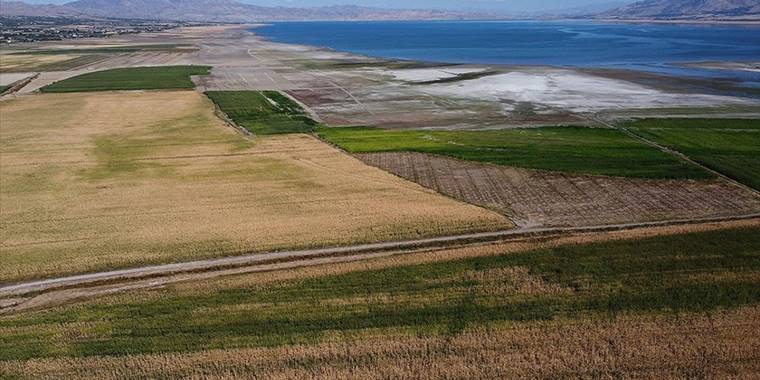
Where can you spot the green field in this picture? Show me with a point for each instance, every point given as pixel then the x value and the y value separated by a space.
pixel 692 272
pixel 578 150
pixel 138 78
pixel 263 112
pixel 729 146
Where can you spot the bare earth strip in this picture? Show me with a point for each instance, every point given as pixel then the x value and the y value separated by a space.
pixel 534 197
pixel 282 266
pixel 101 181
pixel 715 345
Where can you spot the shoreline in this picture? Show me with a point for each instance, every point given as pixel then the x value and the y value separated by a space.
pixel 675 65
pixel 731 85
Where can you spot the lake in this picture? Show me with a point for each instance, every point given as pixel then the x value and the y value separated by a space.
pixel 649 47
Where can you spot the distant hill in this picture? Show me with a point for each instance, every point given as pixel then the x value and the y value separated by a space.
pixel 688 9
pixel 234 11
pixel 225 11
pixel 17 8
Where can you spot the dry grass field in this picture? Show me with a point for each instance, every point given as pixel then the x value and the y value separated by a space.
pixel 534 197
pixel 39 62
pixel 716 345
pixel 97 181
pixel 602 305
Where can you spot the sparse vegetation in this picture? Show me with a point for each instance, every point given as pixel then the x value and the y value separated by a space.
pixel 263 112
pixel 672 274
pixel 577 150
pixel 68 59
pixel 108 49
pixel 32 62
pixel 729 146
pixel 138 78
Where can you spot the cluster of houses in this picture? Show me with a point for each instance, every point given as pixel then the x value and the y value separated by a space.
pixel 17 29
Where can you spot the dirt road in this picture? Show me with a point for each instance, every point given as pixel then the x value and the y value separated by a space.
pixel 54 291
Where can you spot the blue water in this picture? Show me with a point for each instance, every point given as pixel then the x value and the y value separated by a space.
pixel 649 47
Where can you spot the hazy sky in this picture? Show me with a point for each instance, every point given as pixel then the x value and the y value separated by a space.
pixel 502 5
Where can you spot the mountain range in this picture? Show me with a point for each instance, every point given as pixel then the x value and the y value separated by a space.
pixel 234 11
pixel 226 11
pixel 687 9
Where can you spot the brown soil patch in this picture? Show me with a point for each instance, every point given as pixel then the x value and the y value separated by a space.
pixel 534 197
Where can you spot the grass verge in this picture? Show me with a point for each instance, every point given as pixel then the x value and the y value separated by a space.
pixel 578 150
pixel 263 112
pixel 729 146
pixel 138 78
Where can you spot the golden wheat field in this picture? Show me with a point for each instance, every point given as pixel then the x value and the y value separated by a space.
pixel 103 180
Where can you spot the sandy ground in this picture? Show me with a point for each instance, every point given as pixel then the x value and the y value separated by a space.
pixel 533 198
pixel 47 78
pixel 10 78
pixel 426 75
pixel 568 90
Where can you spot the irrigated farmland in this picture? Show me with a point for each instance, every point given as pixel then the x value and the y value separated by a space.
pixel 729 146
pixel 577 150
pixel 569 308
pixel 263 112
pixel 137 78
pixel 94 181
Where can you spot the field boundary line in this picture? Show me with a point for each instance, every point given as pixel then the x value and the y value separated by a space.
pixel 227 120
pixel 677 154
pixel 38 286
pixel 313 114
